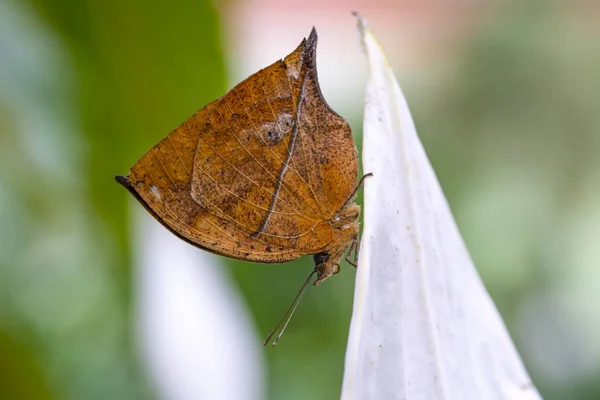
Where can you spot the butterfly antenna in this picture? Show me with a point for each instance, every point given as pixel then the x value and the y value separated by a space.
pixel 290 311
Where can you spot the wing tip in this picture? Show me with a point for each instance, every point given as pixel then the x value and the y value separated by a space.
pixel 123 180
pixel 313 36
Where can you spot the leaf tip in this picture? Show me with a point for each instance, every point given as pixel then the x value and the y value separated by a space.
pixel 363 26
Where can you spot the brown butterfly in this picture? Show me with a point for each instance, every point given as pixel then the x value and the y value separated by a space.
pixel 265 173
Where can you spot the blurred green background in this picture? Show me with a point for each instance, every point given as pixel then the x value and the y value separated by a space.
pixel 508 111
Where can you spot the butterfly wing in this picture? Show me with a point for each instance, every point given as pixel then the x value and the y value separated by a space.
pixel 258 173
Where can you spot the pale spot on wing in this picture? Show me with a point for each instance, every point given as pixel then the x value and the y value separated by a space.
pixel 285 122
pixel 155 192
pixel 293 71
pixel 277 130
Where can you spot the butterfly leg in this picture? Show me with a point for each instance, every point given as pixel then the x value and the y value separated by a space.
pixel 354 246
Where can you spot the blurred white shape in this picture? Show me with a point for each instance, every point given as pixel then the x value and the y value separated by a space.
pixel 196 336
pixel 423 325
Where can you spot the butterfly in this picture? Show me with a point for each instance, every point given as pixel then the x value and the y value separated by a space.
pixel 266 173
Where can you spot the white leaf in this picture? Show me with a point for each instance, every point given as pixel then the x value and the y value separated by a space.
pixel 423 325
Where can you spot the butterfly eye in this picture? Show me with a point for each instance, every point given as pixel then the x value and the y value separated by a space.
pixel 321 257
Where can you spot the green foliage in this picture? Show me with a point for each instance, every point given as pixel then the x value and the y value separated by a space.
pixel 115 78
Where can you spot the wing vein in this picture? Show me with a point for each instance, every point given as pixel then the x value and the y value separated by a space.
pixel 175 216
pixel 296 212
pixel 266 144
pixel 177 154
